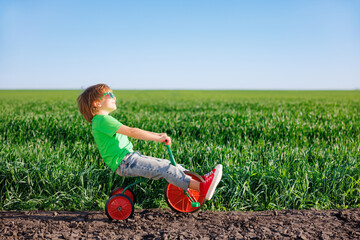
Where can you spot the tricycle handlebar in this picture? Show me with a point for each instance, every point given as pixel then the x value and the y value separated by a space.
pixel 172 160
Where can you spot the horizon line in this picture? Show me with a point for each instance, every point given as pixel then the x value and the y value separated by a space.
pixel 195 89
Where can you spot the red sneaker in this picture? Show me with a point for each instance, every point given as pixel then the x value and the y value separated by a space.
pixel 207 188
pixel 209 174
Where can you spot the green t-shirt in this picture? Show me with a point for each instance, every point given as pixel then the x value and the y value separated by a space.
pixel 112 146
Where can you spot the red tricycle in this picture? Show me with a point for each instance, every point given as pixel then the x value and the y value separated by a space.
pixel 120 205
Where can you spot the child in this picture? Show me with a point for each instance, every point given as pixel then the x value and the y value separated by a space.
pixel 111 138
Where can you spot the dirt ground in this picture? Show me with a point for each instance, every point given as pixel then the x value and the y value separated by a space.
pixel 166 224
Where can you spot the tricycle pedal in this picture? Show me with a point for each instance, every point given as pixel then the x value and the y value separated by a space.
pixel 195 204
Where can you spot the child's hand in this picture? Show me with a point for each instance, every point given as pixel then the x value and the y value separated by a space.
pixel 165 138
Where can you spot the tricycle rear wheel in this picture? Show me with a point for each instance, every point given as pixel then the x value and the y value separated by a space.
pixel 130 193
pixel 119 207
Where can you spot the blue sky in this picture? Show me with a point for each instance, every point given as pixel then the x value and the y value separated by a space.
pixel 180 44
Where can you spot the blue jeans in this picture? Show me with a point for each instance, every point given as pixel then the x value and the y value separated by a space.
pixel 136 165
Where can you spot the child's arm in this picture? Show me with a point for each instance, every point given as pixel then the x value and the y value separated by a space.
pixel 143 135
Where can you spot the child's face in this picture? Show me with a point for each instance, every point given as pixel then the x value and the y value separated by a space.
pixel 107 102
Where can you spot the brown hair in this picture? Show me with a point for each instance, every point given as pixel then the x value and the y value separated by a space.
pixel 88 97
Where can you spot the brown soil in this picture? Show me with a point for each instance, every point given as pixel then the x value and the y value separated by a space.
pixel 165 224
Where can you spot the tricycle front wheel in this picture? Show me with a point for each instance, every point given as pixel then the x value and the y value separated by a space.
pixel 179 201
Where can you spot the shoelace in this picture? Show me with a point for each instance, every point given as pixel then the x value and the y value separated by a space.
pixel 209 174
pixel 209 179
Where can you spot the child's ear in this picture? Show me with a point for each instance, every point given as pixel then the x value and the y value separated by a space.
pixel 96 104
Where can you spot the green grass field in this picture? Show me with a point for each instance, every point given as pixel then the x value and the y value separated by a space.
pixel 280 149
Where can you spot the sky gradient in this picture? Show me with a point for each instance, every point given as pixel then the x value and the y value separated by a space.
pixel 180 44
